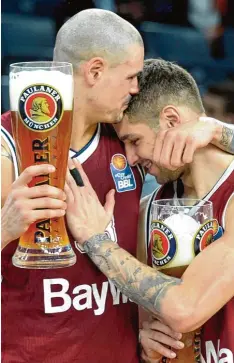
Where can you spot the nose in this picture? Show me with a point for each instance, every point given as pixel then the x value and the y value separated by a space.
pixel 132 157
pixel 134 86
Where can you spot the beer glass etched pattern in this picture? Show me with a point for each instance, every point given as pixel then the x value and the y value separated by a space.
pixel 180 229
pixel 41 98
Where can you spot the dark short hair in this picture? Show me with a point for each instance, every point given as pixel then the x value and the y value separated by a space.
pixel 162 83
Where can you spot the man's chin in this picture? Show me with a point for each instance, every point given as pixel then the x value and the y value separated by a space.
pixel 160 177
pixel 154 171
pixel 115 119
pixel 111 119
pixel 162 181
pixel 120 117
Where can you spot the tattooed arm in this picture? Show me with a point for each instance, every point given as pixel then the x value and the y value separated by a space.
pixel 182 304
pixel 142 284
pixel 224 137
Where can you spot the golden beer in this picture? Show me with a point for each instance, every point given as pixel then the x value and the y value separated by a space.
pixel 41 96
pixel 180 229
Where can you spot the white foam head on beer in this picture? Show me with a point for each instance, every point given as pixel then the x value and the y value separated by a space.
pixel 184 228
pixel 62 82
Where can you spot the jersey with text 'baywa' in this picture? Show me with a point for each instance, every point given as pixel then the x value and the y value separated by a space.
pixel 75 314
pixel 218 332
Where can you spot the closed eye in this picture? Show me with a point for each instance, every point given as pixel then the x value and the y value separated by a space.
pixel 135 142
pixel 131 78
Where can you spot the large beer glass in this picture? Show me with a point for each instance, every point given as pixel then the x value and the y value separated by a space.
pixel 41 98
pixel 180 229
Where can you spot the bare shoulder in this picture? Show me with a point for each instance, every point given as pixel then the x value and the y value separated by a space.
pixel 229 214
pixel 8 173
pixel 228 240
pixel 5 150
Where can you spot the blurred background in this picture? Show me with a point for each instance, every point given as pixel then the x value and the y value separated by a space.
pixel 197 34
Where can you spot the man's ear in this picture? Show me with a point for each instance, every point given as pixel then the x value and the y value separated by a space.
pixel 94 69
pixel 169 117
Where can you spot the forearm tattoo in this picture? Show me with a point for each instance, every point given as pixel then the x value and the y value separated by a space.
pixel 142 284
pixel 5 153
pixel 227 139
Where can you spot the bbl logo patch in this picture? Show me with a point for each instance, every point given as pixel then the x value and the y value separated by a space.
pixel 163 244
pixel 122 174
pixel 203 237
pixel 40 107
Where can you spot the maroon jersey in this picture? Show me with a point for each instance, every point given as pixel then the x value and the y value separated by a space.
pixel 218 332
pixel 75 314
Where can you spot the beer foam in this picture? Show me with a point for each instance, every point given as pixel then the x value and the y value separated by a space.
pixel 184 227
pixel 62 82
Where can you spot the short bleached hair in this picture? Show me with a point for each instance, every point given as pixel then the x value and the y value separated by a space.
pixel 95 33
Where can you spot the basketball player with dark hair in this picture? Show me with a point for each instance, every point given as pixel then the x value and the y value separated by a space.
pixel 168 97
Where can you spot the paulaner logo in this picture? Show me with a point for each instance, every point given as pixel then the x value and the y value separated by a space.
pixel 163 244
pixel 203 237
pixel 40 107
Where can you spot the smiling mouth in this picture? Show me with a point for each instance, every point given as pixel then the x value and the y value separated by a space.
pixel 146 164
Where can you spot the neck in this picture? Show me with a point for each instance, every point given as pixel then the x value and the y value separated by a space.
pixel 203 173
pixel 82 129
pixel 83 126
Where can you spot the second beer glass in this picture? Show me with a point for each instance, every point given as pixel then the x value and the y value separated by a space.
pixel 180 229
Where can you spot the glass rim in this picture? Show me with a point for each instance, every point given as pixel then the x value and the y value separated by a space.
pixel 40 65
pixel 197 202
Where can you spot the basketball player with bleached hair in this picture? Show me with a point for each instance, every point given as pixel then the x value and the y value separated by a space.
pixel 58 306
pixel 169 97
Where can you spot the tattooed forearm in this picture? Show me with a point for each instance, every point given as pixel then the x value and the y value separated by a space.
pixel 227 139
pixel 142 284
pixel 5 153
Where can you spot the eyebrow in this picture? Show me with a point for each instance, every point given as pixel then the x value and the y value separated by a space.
pixel 129 136
pixel 135 74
